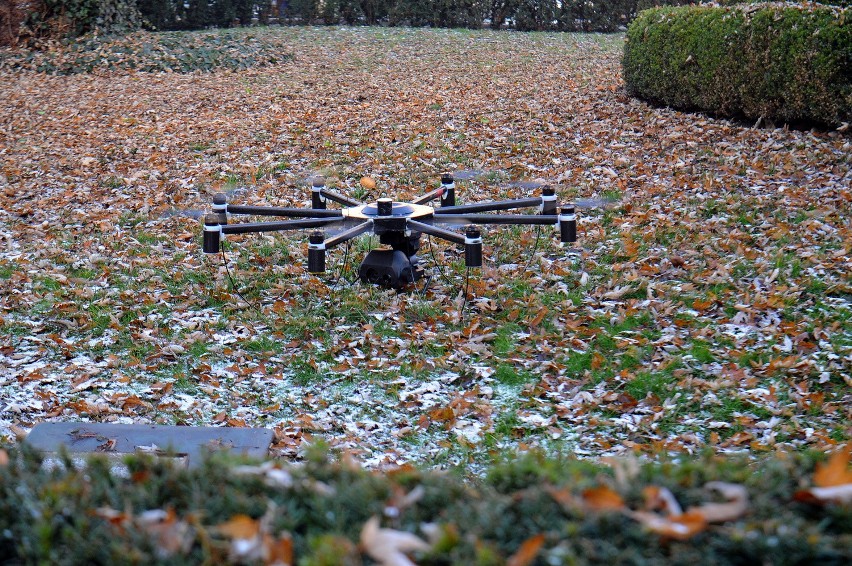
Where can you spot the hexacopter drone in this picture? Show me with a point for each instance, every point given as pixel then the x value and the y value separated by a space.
pixel 399 226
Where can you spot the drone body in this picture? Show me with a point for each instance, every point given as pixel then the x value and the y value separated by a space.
pixel 399 226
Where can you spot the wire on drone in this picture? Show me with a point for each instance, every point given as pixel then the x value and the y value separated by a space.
pixel 252 304
pixel 466 289
pixel 343 267
pixel 534 250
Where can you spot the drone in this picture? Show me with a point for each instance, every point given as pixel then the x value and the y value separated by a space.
pixel 399 226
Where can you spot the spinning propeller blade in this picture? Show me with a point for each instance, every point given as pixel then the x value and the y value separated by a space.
pixel 595 203
pixel 195 214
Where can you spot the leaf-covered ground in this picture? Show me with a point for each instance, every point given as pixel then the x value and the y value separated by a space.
pixel 710 308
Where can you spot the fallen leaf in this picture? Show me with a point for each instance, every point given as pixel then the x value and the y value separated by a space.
pixel 171 536
pixel 602 498
pixel 677 261
pixel 239 527
pixel 832 481
pixel 19 432
pixel 836 471
pixel 108 445
pixel 681 527
pixel 389 547
pixel 821 495
pixel 618 292
pixel 527 552
pixel 280 551
pixel 736 506
pixel 661 499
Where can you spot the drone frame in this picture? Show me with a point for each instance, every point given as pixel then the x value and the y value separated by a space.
pixel 398 224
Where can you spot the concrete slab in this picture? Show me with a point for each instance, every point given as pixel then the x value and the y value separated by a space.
pixel 184 442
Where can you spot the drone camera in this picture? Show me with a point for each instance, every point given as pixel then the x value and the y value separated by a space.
pixel 389 268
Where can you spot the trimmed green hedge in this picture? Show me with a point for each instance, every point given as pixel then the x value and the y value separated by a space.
pixel 178 52
pixel 783 62
pixel 542 510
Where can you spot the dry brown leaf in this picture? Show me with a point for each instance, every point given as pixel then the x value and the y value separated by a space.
pixel 625 468
pixel 239 526
pixel 832 481
pixel 108 445
pixel 279 551
pixel 112 516
pixel 618 292
pixel 19 432
pixel 661 499
pixel 680 527
pixel 389 547
pixel 4 458
pixel 821 495
pixel 368 183
pixel 539 317
pixel 526 554
pixel 565 498
pixel 836 471
pixel 602 498
pixel 171 536
pixel 736 506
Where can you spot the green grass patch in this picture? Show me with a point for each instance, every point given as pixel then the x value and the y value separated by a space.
pixel 659 383
pixel 510 375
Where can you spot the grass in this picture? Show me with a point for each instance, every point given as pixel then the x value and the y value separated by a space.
pixel 659 384
pixel 125 303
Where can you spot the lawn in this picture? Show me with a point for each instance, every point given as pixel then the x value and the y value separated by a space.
pixel 708 309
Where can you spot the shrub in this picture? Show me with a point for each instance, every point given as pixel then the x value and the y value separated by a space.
pixel 782 62
pixel 178 52
pixel 59 19
pixel 314 513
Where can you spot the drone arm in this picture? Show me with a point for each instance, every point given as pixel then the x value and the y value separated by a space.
pixel 540 219
pixel 256 227
pixel 338 198
pixel 349 234
pixel 280 211
pixel 489 206
pixel 435 231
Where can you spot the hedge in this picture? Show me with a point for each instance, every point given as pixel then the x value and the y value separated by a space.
pixel 784 62
pixel 177 52
pixel 528 510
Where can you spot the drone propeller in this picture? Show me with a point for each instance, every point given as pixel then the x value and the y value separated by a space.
pixel 587 203
pixel 529 184
pixel 467 174
pixel 595 203
pixel 310 178
pixel 193 213
pixel 197 214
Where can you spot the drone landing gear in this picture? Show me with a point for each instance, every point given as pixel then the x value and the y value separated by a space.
pixel 390 268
